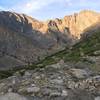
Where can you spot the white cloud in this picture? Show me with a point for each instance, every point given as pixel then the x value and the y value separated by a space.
pixel 35 5
pixel 28 5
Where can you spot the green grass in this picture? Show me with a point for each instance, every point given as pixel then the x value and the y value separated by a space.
pixel 86 47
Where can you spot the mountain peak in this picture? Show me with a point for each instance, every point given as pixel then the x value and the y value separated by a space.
pixel 75 23
pixel 87 11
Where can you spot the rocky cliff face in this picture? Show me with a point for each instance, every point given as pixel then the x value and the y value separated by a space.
pixel 24 40
pixel 75 24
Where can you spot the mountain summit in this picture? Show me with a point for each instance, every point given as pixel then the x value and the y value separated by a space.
pixel 25 40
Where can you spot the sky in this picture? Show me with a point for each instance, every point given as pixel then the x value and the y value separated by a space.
pixel 48 9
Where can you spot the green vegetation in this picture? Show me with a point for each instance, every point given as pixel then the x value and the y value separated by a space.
pixel 85 47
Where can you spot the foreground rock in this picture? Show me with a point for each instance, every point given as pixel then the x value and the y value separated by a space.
pixel 54 82
pixel 12 96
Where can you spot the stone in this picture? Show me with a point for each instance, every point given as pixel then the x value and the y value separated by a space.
pixel 13 81
pixel 56 66
pixel 46 91
pixel 10 90
pixel 55 94
pixel 71 84
pixel 57 81
pixel 97 52
pixel 33 89
pixel 33 85
pixel 27 73
pixel 91 88
pixel 12 96
pixel 79 73
pixel 64 93
pixel 97 98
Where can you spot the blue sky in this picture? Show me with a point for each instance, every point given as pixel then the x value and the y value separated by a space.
pixel 48 9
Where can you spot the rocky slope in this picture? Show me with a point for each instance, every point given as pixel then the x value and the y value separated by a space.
pixel 60 81
pixel 24 40
pixel 71 74
pixel 76 76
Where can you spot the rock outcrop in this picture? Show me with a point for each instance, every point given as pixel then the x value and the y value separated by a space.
pixel 24 40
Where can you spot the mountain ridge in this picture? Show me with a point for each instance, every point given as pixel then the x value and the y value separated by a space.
pixel 30 40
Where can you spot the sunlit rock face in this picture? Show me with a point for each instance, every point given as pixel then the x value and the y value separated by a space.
pixel 25 40
pixel 76 23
